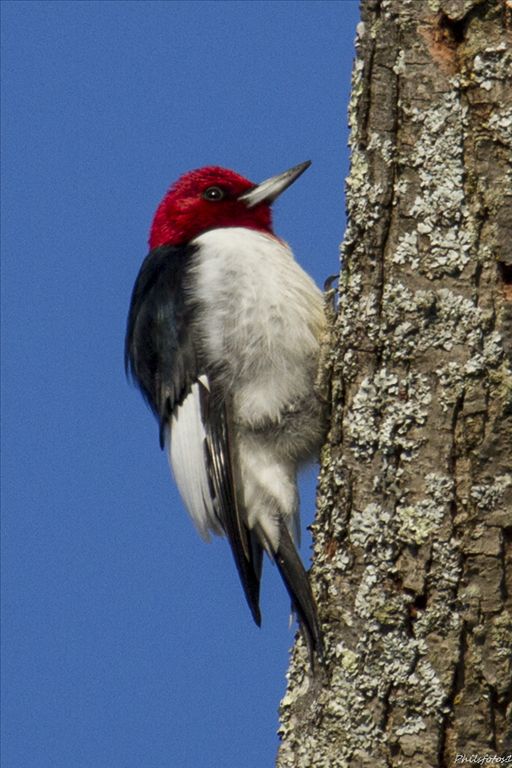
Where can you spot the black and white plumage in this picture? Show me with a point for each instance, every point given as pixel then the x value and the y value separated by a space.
pixel 223 340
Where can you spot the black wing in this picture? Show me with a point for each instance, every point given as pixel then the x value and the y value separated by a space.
pixel 164 361
pixel 159 350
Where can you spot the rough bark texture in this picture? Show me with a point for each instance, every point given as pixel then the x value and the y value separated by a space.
pixel 412 566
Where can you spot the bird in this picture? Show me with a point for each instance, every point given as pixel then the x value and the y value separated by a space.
pixel 223 340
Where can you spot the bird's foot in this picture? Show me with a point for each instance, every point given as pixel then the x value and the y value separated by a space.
pixel 323 374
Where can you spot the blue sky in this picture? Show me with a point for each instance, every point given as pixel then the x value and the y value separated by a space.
pixel 126 639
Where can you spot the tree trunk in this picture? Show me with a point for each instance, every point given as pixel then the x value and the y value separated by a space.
pixel 412 564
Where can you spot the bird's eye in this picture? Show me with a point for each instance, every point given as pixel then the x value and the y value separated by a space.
pixel 213 193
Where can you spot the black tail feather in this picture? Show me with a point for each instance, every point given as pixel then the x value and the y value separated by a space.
pixel 246 551
pixel 296 580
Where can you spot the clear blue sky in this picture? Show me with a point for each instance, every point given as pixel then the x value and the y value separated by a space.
pixel 126 640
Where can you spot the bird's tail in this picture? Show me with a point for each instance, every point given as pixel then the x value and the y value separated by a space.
pixel 296 580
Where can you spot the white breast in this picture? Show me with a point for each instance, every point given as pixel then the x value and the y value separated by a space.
pixel 261 319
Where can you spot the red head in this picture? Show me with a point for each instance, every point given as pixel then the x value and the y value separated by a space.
pixel 214 197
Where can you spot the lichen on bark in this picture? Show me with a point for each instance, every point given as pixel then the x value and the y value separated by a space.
pixel 412 565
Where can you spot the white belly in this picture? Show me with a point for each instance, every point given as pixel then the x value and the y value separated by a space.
pixel 261 321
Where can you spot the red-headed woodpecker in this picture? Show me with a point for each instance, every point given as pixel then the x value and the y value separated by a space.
pixel 223 340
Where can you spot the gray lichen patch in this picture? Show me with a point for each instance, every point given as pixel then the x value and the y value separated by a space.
pixel 489 70
pixel 366 529
pixel 430 193
pixel 391 665
pixel 500 124
pixel 418 522
pixel 384 409
pixel 489 496
pixel 439 319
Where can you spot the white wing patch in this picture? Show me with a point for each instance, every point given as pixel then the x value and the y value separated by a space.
pixel 185 448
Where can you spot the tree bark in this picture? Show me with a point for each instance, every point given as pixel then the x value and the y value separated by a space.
pixel 412 564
